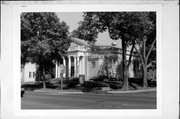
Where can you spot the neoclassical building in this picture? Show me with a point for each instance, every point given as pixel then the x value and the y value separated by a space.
pixel 83 59
pixel 88 60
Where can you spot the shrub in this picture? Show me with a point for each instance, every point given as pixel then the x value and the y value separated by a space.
pixel 67 83
pixel 99 78
pixel 113 79
pixel 115 84
pixel 55 81
pixel 72 82
pixel 32 86
pixel 101 84
pixel 151 83
pixel 138 81
pixel 88 86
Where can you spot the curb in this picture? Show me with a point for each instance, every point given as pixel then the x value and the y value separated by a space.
pixel 54 92
pixel 58 92
pixel 134 91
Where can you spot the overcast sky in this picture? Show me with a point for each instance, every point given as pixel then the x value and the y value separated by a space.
pixel 73 18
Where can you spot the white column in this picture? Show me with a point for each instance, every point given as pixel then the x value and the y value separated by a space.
pixel 75 71
pixel 83 65
pixel 64 63
pixel 77 66
pixel 69 67
pixel 56 70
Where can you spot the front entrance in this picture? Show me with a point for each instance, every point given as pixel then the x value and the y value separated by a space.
pixel 72 71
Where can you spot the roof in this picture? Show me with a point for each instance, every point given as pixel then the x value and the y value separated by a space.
pixel 79 42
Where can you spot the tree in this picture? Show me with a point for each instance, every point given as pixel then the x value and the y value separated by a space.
pixel 107 65
pixel 127 26
pixel 44 39
pixel 147 48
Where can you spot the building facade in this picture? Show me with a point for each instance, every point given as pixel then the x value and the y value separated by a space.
pixel 85 60
pixel 28 73
pixel 89 60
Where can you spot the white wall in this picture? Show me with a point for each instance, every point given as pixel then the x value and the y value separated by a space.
pixel 29 71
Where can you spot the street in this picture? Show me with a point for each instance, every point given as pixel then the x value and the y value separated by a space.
pixel 34 100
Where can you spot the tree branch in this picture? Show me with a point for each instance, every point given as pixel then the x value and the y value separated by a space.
pixel 144 48
pixel 150 49
pixel 149 64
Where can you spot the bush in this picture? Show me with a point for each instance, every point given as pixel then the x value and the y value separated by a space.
pixel 113 79
pixel 55 81
pixel 32 86
pixel 151 83
pixel 88 86
pixel 99 78
pixel 138 81
pixel 115 84
pixel 72 82
pixel 67 83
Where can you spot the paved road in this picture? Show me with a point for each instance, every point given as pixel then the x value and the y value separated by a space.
pixel 34 100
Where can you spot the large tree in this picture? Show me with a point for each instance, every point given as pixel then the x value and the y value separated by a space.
pixel 146 48
pixel 44 39
pixel 127 26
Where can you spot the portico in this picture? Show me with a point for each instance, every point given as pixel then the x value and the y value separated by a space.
pixel 75 65
pixel 74 61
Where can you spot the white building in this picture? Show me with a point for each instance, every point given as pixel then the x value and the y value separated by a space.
pixel 28 73
pixel 82 59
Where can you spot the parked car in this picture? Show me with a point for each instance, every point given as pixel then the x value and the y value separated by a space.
pixel 22 91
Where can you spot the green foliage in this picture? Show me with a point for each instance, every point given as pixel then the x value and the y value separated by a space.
pixel 72 82
pixel 99 78
pixel 115 84
pixel 130 27
pixel 120 25
pixel 43 37
pixel 88 86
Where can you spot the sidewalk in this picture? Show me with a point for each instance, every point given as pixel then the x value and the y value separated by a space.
pixel 53 91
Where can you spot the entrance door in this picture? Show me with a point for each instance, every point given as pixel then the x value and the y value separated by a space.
pixel 72 71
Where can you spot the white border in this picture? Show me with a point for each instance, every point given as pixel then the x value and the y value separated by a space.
pixel 79 8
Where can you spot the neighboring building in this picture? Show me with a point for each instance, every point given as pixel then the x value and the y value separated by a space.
pixel 83 59
pixel 28 73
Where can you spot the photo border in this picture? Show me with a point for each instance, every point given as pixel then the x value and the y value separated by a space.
pixel 18 9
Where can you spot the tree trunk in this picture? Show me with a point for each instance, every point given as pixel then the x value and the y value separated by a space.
pixel 125 81
pixel 123 57
pixel 125 68
pixel 44 80
pixel 145 84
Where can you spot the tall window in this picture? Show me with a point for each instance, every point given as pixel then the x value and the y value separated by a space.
pixel 93 64
pixel 30 74
pixel 34 74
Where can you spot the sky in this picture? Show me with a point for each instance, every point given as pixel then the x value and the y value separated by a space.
pixel 73 18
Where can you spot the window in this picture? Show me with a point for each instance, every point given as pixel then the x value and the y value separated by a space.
pixel 30 74
pixel 34 74
pixel 93 64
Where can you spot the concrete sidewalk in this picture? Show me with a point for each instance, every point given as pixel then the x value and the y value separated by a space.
pixel 53 91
